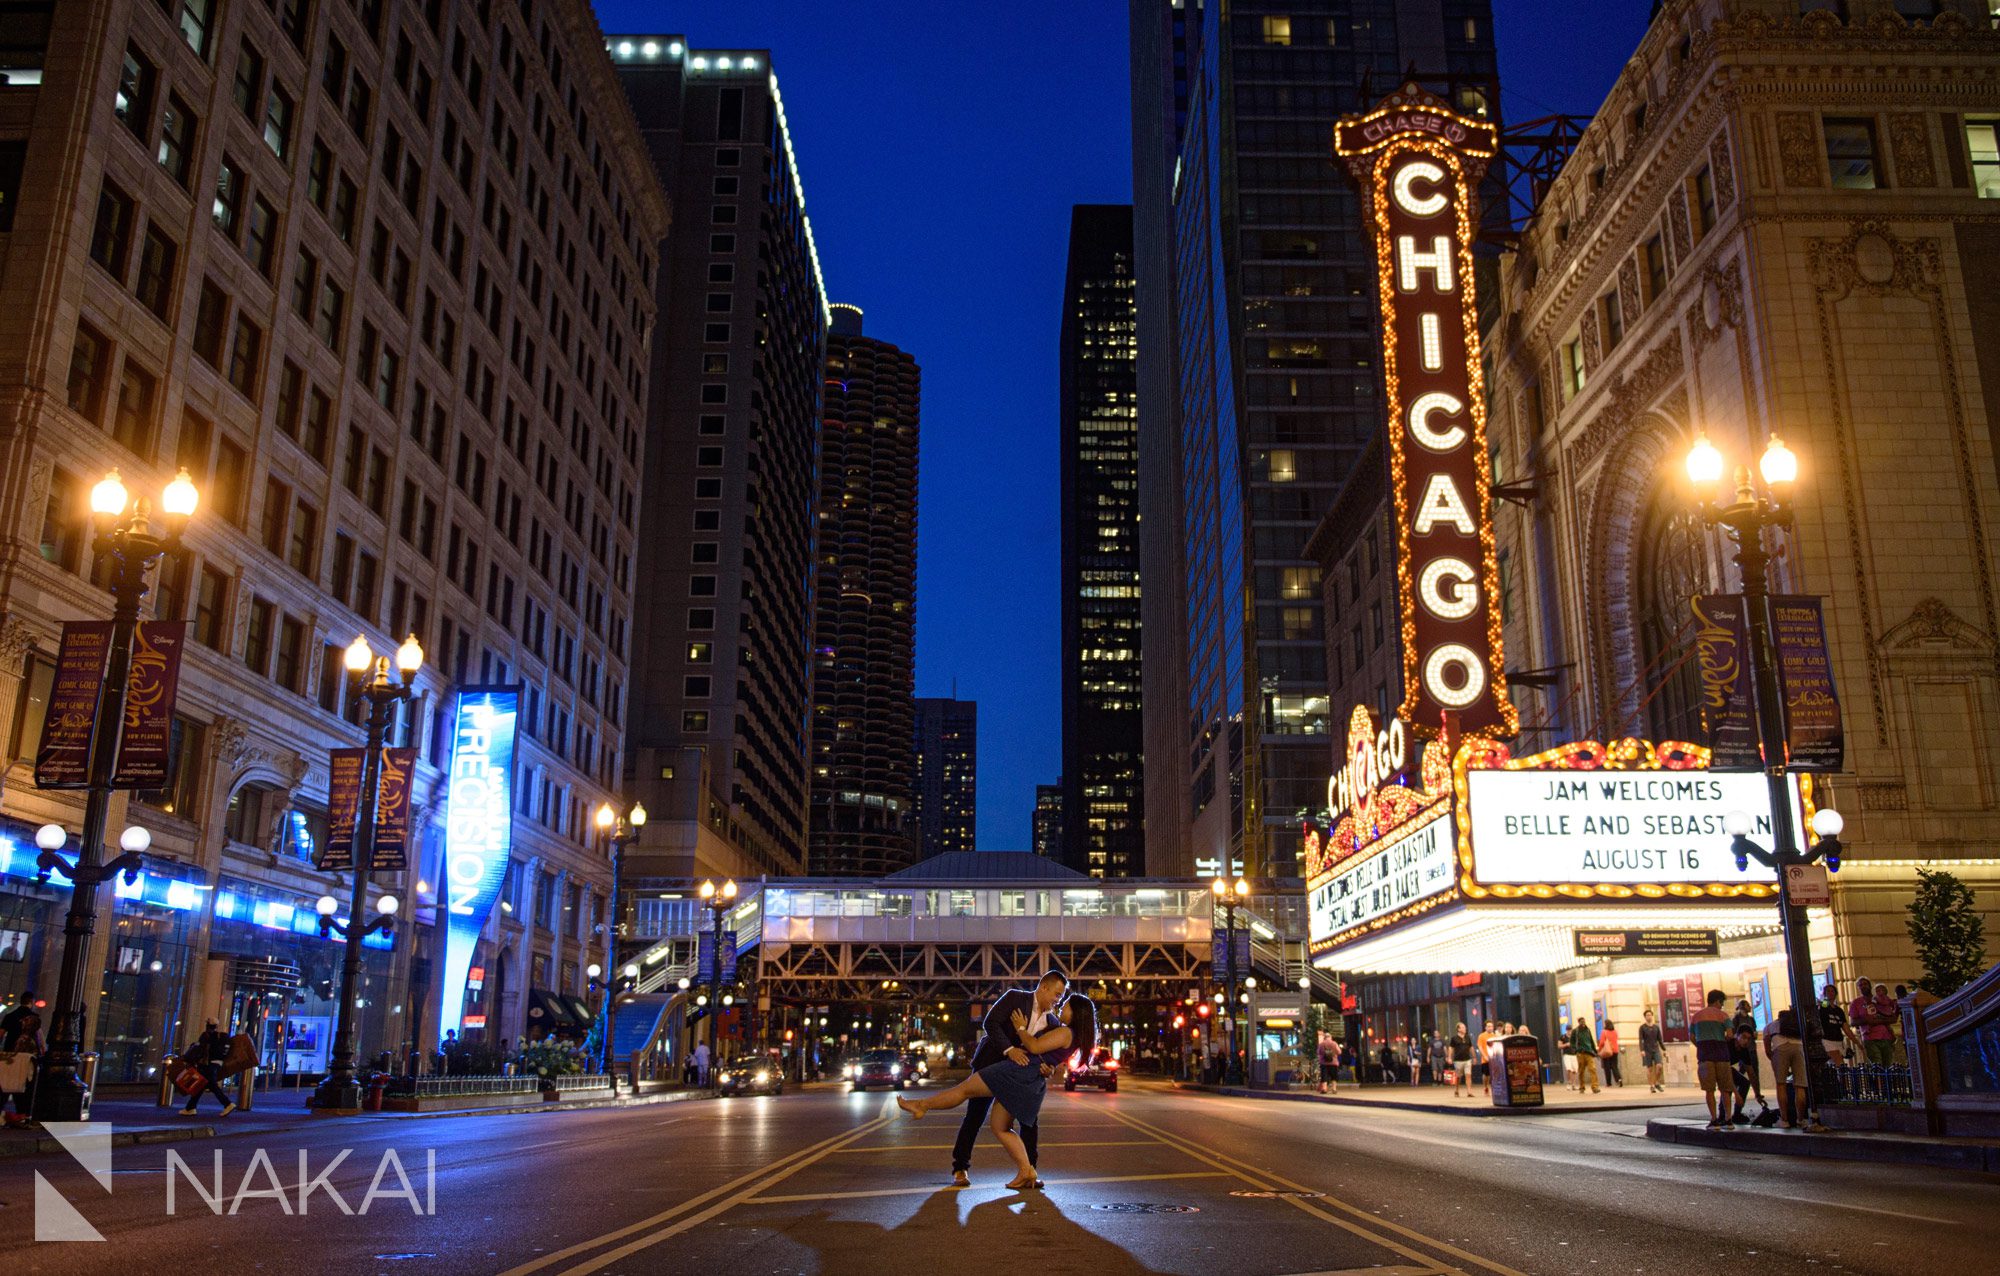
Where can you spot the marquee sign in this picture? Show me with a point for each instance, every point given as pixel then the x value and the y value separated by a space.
pixel 1408 872
pixel 1417 163
pixel 1629 820
pixel 479 830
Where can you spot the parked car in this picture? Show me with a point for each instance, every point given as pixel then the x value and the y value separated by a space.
pixel 751 1074
pixel 1100 1070
pixel 877 1067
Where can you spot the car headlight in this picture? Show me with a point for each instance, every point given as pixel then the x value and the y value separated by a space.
pixel 853 1069
pixel 763 1078
pixel 895 1069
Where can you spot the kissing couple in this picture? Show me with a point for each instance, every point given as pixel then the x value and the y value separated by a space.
pixel 1025 1039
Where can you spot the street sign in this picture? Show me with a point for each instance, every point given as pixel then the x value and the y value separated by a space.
pixel 1807 885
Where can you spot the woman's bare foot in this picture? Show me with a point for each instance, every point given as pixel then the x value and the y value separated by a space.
pixel 913 1108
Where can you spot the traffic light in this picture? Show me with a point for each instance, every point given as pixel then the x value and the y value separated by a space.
pixel 1202 1010
pixel 1180 1021
pixel 788 1035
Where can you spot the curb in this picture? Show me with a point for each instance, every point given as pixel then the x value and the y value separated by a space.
pixel 10 1148
pixel 41 1147
pixel 1405 1105
pixel 1936 1153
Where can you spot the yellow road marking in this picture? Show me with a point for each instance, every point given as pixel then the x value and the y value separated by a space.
pixel 959 1191
pixel 1244 1170
pixel 722 1206
pixel 1105 1143
pixel 537 1264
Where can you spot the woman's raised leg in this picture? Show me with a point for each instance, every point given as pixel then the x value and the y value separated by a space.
pixel 973 1087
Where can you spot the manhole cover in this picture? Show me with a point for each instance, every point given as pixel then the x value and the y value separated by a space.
pixel 1146 1207
pixel 1274 1195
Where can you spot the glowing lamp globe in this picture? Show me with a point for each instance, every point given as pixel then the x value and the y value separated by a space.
pixel 1704 462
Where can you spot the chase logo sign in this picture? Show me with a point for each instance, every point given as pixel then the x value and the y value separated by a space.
pixel 479 829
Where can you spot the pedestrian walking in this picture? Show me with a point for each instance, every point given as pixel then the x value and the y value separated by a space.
pixel 1461 1061
pixel 21 1047
pixel 1438 1052
pixel 1607 1054
pixel 1653 1054
pixel 1834 1031
pixel 206 1057
pixel 1484 1048
pixel 1583 1045
pixel 1709 1029
pixel 701 1062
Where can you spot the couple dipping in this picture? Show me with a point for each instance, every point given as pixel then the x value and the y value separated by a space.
pixel 1026 1037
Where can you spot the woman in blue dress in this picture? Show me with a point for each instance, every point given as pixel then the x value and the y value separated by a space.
pixel 1017 1084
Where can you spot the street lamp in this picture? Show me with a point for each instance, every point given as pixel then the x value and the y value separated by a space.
pixel 622 831
pixel 717 898
pixel 340 1092
pixel 126 539
pixel 1745 517
pixel 1230 894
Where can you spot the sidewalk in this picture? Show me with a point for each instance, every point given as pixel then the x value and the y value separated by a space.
pixel 142 1120
pixel 1409 1098
pixel 1838 1145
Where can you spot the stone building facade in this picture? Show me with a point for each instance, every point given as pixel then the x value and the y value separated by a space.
pixel 1780 223
pixel 379 275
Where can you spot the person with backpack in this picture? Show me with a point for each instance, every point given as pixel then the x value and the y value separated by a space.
pixel 206 1056
pixel 1607 1055
pixel 1584 1046
pixel 1786 1049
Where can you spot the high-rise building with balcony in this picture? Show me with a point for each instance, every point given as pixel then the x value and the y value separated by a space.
pixel 1103 803
pixel 947 775
pixel 1259 388
pixel 379 276
pixel 724 598
pixel 865 638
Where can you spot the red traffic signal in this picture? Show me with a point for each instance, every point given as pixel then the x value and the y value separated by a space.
pixel 1202 1010
pixel 1180 1021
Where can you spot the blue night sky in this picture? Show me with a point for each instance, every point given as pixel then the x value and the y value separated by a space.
pixel 940 147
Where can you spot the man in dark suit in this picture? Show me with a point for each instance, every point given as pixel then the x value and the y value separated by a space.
pixel 997 1037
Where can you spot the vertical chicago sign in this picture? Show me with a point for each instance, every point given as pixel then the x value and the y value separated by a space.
pixel 1417 162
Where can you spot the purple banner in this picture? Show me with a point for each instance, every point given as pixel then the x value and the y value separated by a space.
pixel 63 760
pixel 1722 638
pixel 145 749
pixel 343 803
pixel 392 811
pixel 1813 736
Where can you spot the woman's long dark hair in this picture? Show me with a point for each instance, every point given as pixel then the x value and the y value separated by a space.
pixel 1082 1024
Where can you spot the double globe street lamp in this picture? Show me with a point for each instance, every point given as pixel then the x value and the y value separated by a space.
pixel 371 682
pixel 1750 510
pixel 718 898
pixel 622 830
pixel 126 540
pixel 1229 894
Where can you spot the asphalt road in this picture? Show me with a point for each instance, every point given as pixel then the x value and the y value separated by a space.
pixel 1143 1181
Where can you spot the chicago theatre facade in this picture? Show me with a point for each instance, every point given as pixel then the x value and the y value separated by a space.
pixel 1779 224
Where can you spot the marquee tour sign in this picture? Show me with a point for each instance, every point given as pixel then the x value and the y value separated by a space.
pixel 1417 163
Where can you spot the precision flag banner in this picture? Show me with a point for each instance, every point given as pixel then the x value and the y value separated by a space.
pixel 479 830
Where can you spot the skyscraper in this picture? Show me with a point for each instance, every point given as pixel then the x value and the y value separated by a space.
pixel 947 775
pixel 723 606
pixel 1258 385
pixel 321 259
pixel 1047 821
pixel 1103 807
pixel 864 647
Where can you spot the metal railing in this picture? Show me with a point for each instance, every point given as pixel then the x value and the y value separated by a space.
pixel 583 1081
pixel 441 1087
pixel 1875 1085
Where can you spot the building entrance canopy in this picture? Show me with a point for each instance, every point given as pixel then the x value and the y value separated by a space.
pixel 1485 861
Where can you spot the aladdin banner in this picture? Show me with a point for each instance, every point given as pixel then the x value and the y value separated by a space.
pixel 1805 675
pixel 63 760
pixel 392 810
pixel 145 750
pixel 1722 638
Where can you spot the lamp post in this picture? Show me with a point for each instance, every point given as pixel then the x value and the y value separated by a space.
pixel 127 540
pixel 717 898
pixel 1229 894
pixel 622 830
pixel 340 1092
pixel 1748 514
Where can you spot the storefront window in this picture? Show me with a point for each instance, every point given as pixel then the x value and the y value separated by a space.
pixel 30 708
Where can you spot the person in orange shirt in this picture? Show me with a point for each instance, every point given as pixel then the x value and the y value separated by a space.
pixel 1484 1049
